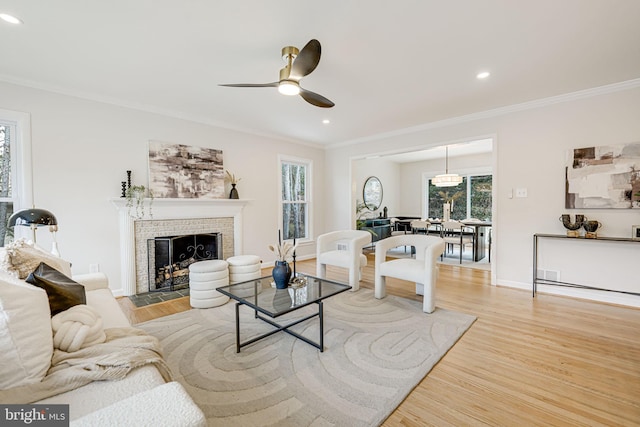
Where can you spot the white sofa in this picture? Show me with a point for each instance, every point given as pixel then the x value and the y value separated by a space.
pixel 141 398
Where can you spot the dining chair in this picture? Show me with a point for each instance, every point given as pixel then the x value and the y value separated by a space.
pixel 420 226
pixel 456 233
pixel 396 228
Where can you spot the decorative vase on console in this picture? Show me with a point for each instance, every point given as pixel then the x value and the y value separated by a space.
pixel 281 274
pixel 572 227
pixel 590 227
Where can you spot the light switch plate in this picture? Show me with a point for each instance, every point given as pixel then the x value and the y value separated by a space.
pixel 521 192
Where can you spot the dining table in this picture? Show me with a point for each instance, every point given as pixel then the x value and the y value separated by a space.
pixel 480 230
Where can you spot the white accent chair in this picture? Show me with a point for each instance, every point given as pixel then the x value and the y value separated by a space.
pixel 423 269
pixel 343 249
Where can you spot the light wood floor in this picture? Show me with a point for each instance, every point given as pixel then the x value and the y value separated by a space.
pixel 544 361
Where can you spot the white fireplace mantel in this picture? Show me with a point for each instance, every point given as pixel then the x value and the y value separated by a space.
pixel 171 209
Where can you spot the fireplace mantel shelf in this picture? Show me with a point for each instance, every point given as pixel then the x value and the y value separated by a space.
pixel 121 202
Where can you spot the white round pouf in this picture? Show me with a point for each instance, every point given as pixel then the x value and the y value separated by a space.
pixel 243 268
pixel 204 278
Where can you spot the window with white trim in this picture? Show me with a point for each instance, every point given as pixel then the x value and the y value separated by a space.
pixel 295 197
pixel 16 189
pixel 470 199
pixel 7 202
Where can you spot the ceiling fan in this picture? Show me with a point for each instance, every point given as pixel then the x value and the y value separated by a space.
pixel 299 64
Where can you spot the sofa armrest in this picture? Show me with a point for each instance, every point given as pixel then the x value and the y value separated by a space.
pixel 92 281
pixel 165 405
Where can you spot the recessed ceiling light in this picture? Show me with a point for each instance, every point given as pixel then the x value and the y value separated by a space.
pixel 10 19
pixel 326 121
pixel 483 75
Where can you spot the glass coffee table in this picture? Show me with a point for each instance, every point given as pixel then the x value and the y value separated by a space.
pixel 259 295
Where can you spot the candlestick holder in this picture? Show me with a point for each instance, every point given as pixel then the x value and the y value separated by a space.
pixel 294 263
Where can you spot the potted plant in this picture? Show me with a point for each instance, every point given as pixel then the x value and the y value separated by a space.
pixel 135 196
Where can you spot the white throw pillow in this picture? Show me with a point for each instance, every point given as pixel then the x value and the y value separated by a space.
pixel 26 341
pixel 22 257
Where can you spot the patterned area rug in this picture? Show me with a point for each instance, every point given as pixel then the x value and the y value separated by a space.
pixel 376 352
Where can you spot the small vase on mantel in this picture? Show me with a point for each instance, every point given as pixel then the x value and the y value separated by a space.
pixel 281 274
pixel 234 192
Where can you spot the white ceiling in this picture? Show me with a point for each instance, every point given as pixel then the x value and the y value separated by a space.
pixel 452 150
pixel 388 65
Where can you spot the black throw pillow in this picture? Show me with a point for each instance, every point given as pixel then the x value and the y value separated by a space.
pixel 63 292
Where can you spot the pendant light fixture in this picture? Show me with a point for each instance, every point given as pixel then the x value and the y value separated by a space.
pixel 447 179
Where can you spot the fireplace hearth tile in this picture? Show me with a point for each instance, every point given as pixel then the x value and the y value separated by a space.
pixel 149 298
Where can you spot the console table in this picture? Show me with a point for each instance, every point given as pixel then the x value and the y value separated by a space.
pixel 380 228
pixel 541 281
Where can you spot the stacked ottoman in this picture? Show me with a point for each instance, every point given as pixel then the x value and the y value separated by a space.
pixel 243 268
pixel 204 278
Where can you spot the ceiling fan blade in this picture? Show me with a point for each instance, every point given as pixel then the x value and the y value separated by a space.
pixel 274 84
pixel 306 61
pixel 315 99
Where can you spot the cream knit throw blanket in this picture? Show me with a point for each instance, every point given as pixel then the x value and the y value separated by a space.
pixel 123 350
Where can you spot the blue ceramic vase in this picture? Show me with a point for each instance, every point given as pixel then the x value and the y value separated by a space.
pixel 281 274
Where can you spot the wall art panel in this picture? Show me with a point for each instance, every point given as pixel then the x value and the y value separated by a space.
pixel 606 176
pixel 182 171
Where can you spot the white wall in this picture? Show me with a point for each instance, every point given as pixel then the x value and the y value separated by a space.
pixel 81 150
pixel 529 147
pixel 388 173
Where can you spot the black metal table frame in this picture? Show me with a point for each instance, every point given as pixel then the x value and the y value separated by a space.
pixel 284 328
pixel 537 280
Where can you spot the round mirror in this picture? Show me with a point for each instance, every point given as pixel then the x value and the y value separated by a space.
pixel 372 193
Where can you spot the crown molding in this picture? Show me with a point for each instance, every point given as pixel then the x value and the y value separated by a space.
pixel 529 105
pixel 496 112
pixel 149 109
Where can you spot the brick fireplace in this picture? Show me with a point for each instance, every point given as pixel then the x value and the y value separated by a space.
pixel 173 217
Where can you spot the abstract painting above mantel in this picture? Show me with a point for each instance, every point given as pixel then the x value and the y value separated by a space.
pixel 603 177
pixel 182 171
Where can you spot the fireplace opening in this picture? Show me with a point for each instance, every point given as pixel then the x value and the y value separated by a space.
pixel 170 257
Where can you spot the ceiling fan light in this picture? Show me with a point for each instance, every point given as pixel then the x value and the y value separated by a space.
pixel 446 180
pixel 289 88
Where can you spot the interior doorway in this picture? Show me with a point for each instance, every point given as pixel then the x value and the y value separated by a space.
pixel 405 176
